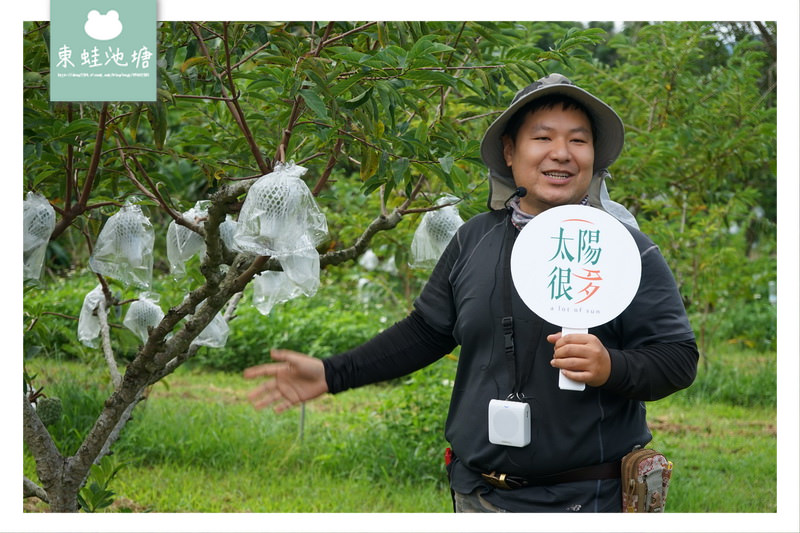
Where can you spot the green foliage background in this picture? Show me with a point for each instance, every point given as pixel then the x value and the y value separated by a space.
pixel 391 102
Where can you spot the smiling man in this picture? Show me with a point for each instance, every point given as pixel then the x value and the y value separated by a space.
pixel 550 147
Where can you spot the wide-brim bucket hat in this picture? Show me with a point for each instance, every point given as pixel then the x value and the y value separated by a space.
pixel 609 136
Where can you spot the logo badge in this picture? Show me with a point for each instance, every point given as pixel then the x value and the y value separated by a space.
pixel 102 50
pixel 576 267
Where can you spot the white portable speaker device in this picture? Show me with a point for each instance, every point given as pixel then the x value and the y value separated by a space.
pixel 509 423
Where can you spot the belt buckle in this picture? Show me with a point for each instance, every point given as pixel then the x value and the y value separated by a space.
pixel 497 480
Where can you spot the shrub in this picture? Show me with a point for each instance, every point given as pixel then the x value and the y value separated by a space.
pixel 752 324
pixel 736 377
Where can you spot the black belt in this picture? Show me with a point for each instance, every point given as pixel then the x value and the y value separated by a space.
pixel 602 471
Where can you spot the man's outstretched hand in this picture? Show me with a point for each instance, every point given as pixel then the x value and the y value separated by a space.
pixel 293 378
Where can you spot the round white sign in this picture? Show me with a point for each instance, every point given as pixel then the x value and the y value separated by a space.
pixel 576 266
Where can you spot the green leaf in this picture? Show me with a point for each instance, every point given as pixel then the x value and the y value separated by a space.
pixel 434 76
pixel 461 178
pixel 275 60
pixel 320 82
pixel 399 168
pixel 352 56
pixel 446 163
pixel 382 37
pixel 344 85
pixel 369 163
pixel 133 121
pixel 315 103
pixel 80 126
pixel 358 100
pixel 426 46
pixel 193 62
pixel 157 115
pixel 421 135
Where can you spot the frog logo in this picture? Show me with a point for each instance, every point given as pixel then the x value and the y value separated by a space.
pixel 102 27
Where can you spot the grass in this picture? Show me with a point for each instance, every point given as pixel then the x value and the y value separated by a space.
pixel 725 456
pixel 238 459
pixel 196 445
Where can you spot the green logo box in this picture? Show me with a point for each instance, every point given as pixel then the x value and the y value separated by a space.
pixel 102 50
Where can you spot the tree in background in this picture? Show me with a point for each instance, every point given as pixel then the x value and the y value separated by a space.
pixel 699 164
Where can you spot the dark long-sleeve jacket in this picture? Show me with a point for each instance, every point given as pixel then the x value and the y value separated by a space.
pixel 651 344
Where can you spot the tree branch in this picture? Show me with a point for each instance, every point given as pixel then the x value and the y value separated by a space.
pixel 233 105
pixel 69 166
pixel 769 39
pixel 153 192
pixel 95 161
pixel 381 223
pixel 323 42
pixel 280 155
pixel 343 35
pixel 323 179
pixel 246 58
pixel 73 211
pixel 151 359
pixel 120 425
pixel 29 489
pixel 228 72
pixel 108 352
pixel 200 97
pixel 156 358
pixel 364 141
pixel 230 309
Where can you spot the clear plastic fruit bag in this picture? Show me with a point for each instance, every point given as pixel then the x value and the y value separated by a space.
pixel 302 269
pixel 124 248
pixel 182 242
pixel 38 222
pixel 271 288
pixel 434 233
pixel 142 314
pixel 215 334
pixel 227 232
pixel 88 322
pixel 279 215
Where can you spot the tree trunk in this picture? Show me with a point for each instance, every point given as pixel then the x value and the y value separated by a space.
pixel 63 497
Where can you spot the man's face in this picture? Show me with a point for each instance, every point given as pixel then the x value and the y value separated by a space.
pixel 552 157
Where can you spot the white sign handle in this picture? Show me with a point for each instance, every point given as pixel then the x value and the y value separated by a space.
pixel 564 383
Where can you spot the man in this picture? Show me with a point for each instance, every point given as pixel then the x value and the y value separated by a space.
pixel 555 140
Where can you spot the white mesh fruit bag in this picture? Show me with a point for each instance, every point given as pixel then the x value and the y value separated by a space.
pixel 38 222
pixel 279 215
pixel 124 248
pixel 434 233
pixel 182 242
pixel 142 314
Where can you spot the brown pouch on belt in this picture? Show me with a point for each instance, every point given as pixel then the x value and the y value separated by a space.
pixel 645 481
